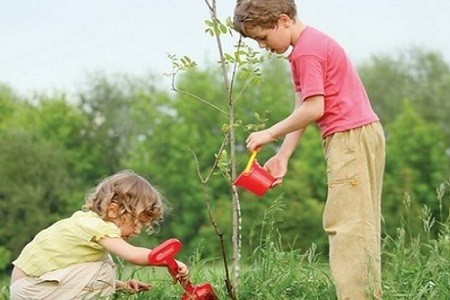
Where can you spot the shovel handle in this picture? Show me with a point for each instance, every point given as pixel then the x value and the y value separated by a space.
pixel 250 162
pixel 164 255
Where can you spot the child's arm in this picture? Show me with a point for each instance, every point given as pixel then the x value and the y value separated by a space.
pixel 310 111
pixel 132 286
pixel 130 253
pixel 135 255
pixel 291 140
pixel 277 165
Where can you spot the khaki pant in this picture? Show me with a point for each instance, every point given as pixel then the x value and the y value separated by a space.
pixel 355 166
pixel 95 280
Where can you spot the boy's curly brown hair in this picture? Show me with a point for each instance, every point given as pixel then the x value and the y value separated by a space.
pixel 262 13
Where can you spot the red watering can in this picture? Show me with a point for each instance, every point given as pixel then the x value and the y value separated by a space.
pixel 254 178
pixel 164 255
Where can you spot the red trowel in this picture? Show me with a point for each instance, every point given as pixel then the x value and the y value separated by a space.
pixel 164 255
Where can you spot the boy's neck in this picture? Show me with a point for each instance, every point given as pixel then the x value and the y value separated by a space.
pixel 297 29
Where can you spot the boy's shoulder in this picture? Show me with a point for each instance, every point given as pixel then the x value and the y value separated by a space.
pixel 314 42
pixel 312 37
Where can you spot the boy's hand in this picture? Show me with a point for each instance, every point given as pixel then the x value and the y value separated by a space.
pixel 257 139
pixel 277 167
pixel 132 286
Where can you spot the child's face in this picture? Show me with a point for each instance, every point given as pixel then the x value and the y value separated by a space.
pixel 128 226
pixel 275 40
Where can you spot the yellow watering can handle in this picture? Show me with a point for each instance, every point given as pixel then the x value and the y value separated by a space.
pixel 250 162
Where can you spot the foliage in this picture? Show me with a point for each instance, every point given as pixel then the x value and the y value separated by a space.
pixel 8 103
pixel 33 189
pixel 419 76
pixel 174 128
pixel 298 275
pixel 416 163
pixel 416 261
pixel 5 258
pixel 106 105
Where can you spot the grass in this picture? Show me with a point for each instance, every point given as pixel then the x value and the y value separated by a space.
pixel 274 274
pixel 415 266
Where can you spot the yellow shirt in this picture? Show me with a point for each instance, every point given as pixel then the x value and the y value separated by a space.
pixel 66 242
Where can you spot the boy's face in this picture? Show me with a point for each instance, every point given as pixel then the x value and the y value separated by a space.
pixel 276 40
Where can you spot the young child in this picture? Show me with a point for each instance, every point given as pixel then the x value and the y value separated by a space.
pixel 70 259
pixel 330 93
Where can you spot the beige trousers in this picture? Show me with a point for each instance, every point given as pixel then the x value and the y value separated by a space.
pixel 95 280
pixel 355 166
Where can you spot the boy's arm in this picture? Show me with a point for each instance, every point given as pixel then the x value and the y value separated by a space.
pixel 291 140
pixel 309 111
pixel 277 165
pixel 290 143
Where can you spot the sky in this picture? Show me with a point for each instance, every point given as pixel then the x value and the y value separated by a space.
pixel 49 46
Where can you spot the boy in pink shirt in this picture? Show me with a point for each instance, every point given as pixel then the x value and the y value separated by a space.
pixel 330 93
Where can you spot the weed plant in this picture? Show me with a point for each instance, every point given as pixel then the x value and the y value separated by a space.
pixel 417 264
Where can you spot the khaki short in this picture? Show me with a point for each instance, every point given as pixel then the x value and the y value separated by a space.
pixel 95 280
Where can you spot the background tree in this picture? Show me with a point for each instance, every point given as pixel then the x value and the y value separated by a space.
pixel 106 104
pixel 33 189
pixel 419 76
pixel 416 165
pixel 170 127
pixel 8 105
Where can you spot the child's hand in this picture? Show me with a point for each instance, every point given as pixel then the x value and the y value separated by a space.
pixel 132 286
pixel 277 167
pixel 258 138
pixel 183 272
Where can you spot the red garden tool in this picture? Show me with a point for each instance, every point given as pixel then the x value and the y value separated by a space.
pixel 254 178
pixel 164 255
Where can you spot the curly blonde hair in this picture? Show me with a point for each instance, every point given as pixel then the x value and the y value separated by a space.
pixel 133 194
pixel 262 13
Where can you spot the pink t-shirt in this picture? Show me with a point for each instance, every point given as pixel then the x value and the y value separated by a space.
pixel 321 67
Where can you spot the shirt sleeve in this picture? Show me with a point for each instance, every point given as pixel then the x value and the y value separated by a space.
pixel 309 71
pixel 95 229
